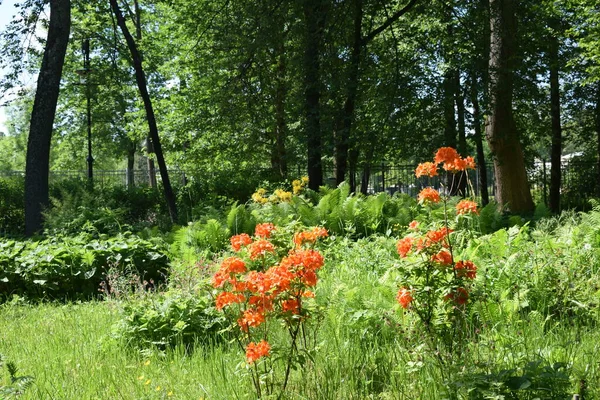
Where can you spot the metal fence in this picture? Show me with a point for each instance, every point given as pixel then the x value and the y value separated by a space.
pixel 105 177
pixel 579 180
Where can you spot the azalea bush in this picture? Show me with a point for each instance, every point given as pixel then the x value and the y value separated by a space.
pixel 268 285
pixel 436 283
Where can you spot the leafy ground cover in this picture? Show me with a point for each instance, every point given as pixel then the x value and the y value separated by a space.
pixel 529 335
pixel 331 297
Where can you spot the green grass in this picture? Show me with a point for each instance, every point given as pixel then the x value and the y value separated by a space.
pixel 533 321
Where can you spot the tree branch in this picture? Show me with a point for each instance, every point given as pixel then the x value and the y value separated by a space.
pixel 388 22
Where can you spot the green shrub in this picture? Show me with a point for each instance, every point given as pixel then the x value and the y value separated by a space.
pixel 74 267
pixel 168 319
pixel 12 206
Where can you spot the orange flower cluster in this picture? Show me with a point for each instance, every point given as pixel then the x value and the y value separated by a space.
pixel 404 297
pixel 452 160
pixel 466 269
pixel 414 225
pixel 264 230
pixel 276 291
pixel 255 351
pixel 426 169
pixel 430 195
pixel 404 246
pixel 260 248
pixel 309 237
pixel 443 257
pixel 432 238
pixel 438 236
pixel 466 207
pixel 238 241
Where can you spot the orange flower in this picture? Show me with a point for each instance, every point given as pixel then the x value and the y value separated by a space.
pixel 261 303
pixel 233 265
pixel 404 297
pixel 310 259
pixel 260 248
pixel 309 236
pixel 443 257
pixel 429 194
pixel 237 241
pixel 426 169
pixel 404 246
pixel 438 236
pixel 219 279
pixel 466 269
pixel 309 278
pixel 252 318
pixel 414 225
pixel 291 305
pixel 258 282
pixel 459 296
pixel 445 155
pixel 226 298
pixel 264 230
pixel 280 277
pixel 470 162
pixel 308 293
pixel 255 351
pixel 466 207
pixel 456 165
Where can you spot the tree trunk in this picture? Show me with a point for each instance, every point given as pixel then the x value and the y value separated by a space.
pixel 481 166
pixel 370 151
pixel 353 156
pixel 344 122
pixel 153 129
pixel 278 153
pixel 462 135
pixel 343 125
pixel 556 151
pixel 42 117
pixel 512 188
pixel 314 15
pixel 449 125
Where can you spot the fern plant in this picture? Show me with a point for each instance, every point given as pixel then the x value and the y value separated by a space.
pixel 16 384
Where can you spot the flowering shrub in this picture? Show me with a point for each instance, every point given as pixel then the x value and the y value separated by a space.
pixel 257 285
pixel 280 195
pixel 436 284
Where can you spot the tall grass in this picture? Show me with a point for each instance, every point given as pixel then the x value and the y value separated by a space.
pixel 532 332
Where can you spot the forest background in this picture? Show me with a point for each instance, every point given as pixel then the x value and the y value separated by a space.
pixel 244 93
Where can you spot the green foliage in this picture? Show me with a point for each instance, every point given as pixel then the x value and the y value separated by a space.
pixel 74 267
pixel 240 220
pixel 16 384
pixel 536 380
pixel 12 206
pixel 168 319
pixel 199 240
pixel 108 210
pixel 491 218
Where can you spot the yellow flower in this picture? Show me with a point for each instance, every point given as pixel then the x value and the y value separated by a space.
pixel 158 388
pixel 258 197
pixel 147 363
pixel 170 394
pixel 282 195
pixel 304 180
pixel 147 382
pixel 140 377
